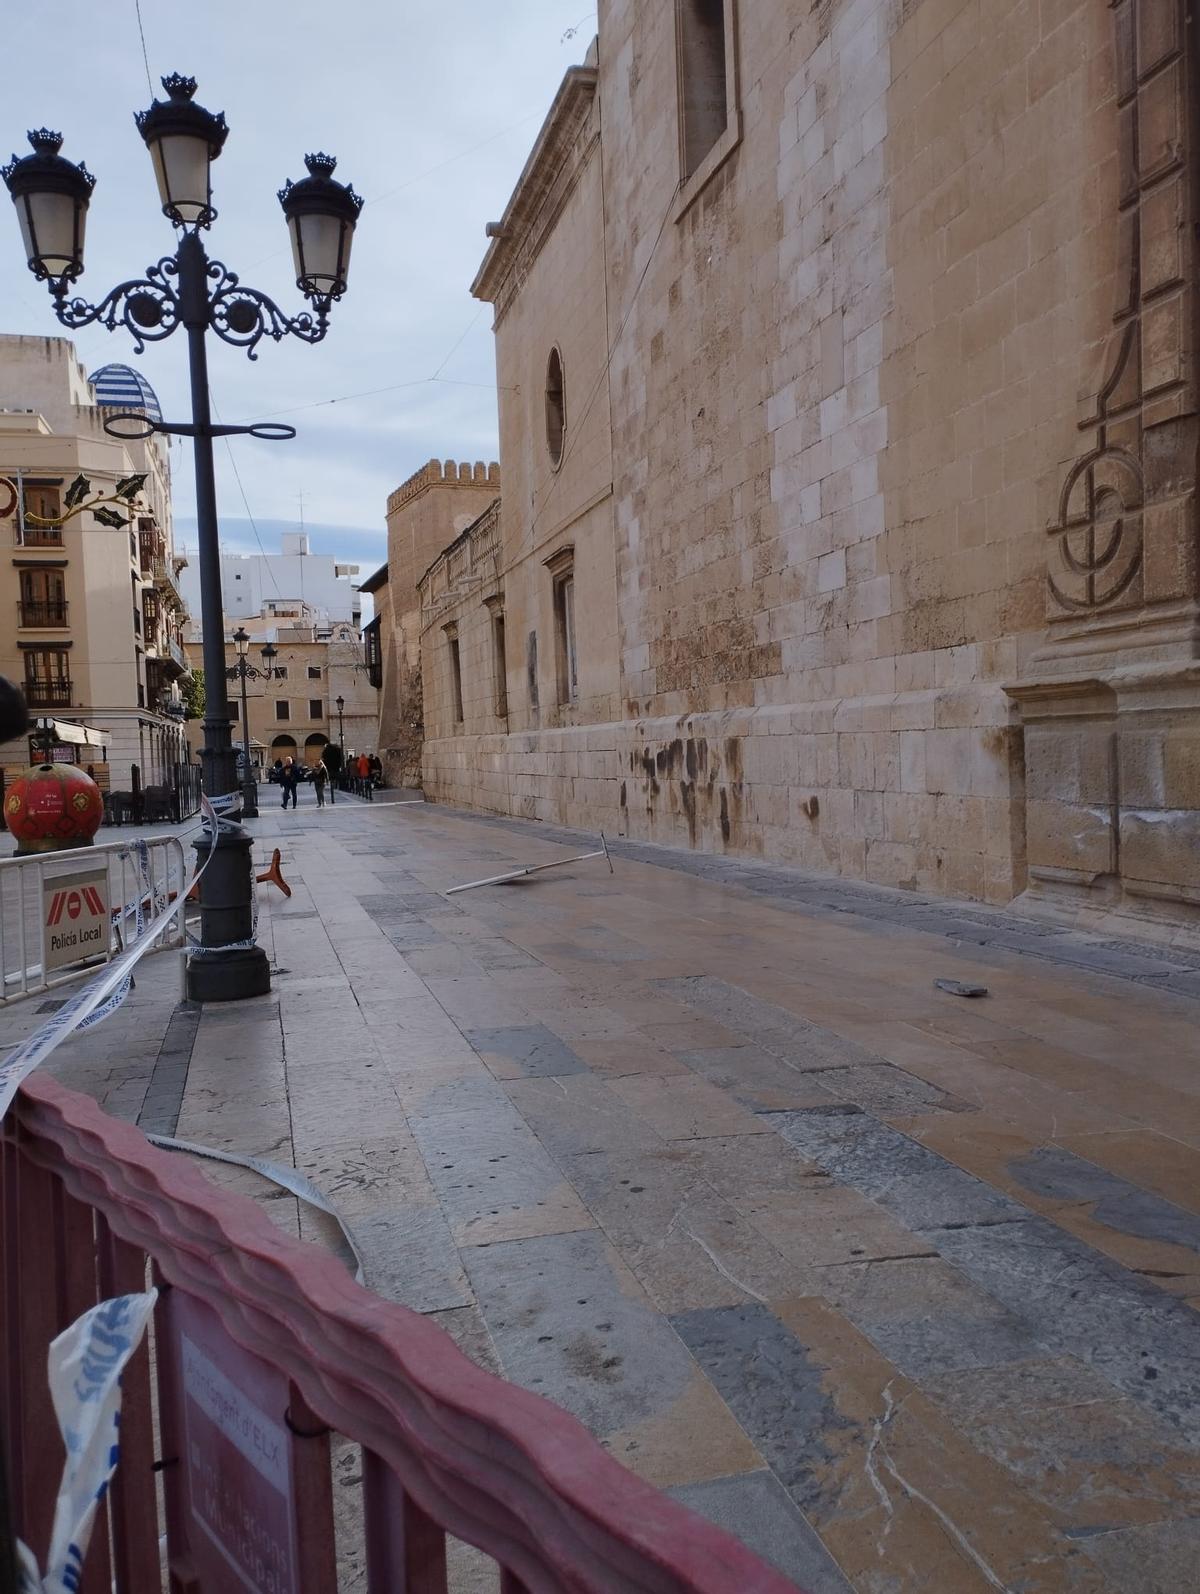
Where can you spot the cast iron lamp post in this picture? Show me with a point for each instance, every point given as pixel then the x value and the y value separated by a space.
pixel 341 703
pixel 242 671
pixel 188 289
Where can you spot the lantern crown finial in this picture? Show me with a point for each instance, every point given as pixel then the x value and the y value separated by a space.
pixel 178 86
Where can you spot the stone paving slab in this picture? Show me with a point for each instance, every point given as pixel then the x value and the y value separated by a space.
pixel 900 1287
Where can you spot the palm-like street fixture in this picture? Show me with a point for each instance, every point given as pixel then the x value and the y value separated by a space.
pixel 188 289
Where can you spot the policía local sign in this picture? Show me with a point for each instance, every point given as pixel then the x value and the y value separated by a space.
pixel 75 917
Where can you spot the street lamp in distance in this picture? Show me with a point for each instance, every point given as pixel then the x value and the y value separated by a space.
pixel 341 703
pixel 187 289
pixel 241 670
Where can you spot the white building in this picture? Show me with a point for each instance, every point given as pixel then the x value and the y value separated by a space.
pixel 254 585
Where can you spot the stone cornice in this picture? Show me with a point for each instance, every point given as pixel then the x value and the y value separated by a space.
pixel 536 184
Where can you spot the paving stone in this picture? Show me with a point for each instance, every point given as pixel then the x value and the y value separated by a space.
pixel 688 1247
pixel 578 1114
pixel 531 1049
pixel 492 1177
pixel 757 1078
pixel 1097 1466
pixel 924 1190
pixel 757 1509
pixel 1081 1304
pixel 772 1385
pixel 1160 1558
pixel 926 1318
pixel 1051 1171
pixel 683 1107
pixel 408 933
pixel 854 1073
pixel 466 1327
pixel 569 1320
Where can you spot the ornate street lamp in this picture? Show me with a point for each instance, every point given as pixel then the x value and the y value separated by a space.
pixel 240 671
pixel 341 703
pixel 188 289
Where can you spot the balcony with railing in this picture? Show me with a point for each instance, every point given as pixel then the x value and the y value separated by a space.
pixel 43 614
pixel 165 574
pixel 49 694
pixel 39 536
pixel 152 545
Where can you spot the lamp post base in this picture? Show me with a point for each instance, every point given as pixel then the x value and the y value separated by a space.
pixel 249 799
pixel 230 967
pixel 229 976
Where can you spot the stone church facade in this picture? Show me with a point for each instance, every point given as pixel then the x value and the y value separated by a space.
pixel 848 417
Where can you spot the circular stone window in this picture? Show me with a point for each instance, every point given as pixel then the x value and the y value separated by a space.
pixel 556 413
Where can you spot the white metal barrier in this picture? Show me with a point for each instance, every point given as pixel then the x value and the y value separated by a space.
pixel 63 913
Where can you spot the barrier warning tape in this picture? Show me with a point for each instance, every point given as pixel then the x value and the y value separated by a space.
pixel 290 1179
pixel 112 981
pixel 97 1000
pixel 85 1364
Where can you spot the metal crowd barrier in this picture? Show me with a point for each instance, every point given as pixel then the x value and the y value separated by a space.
pixel 47 897
pixel 262 1352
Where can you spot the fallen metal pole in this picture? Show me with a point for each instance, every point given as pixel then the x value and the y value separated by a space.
pixel 534 868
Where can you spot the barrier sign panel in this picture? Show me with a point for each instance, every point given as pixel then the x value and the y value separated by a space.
pixel 75 917
pixel 236 1482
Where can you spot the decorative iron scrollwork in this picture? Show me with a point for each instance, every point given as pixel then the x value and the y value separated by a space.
pixel 148 307
pixel 244 316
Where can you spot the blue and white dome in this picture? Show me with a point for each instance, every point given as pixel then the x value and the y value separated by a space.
pixel 121 387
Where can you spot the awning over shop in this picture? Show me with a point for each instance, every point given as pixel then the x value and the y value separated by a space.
pixel 62 732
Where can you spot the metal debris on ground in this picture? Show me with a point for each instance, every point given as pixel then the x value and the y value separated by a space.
pixel 274 875
pixel 534 868
pixel 961 988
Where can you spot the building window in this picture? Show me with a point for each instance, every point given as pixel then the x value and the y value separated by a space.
pixel 705 54
pixel 561 566
pixel 316 709
pixel 43 597
pixel 531 669
pixel 234 709
pixel 556 408
pixel 314 672
pixel 500 664
pixel 456 692
pixel 40 503
pixel 47 678
pixel 283 710
pixel 564 613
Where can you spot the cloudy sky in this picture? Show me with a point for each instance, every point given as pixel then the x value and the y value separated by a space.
pixel 430 108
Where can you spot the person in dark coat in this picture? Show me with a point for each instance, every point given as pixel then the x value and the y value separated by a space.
pixel 332 759
pixel 289 780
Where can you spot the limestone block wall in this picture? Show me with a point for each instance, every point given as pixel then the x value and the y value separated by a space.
pixel 849 371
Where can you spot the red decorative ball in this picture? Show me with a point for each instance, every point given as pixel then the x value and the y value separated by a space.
pixel 53 807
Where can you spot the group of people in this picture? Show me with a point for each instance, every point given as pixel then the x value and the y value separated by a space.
pixel 363 774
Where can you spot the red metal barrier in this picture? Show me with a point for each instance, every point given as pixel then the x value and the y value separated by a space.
pixel 262 1349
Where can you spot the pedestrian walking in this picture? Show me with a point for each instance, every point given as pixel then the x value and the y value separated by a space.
pixel 362 765
pixel 319 776
pixel 289 779
pixel 332 759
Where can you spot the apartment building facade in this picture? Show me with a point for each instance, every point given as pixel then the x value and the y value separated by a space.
pixel 292 699
pixel 93 611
